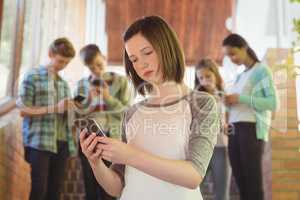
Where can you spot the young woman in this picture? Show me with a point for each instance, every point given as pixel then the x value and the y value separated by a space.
pixel 250 104
pixel 168 139
pixel 208 79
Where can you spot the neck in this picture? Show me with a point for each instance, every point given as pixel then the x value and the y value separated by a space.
pixel 211 90
pixel 249 62
pixel 51 69
pixel 169 89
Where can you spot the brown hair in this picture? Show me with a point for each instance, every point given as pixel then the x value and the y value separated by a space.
pixel 210 65
pixel 89 52
pixel 166 45
pixel 63 47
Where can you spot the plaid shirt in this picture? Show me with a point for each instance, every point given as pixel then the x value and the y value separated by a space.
pixel 40 132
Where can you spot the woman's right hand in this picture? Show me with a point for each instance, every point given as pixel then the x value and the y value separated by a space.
pixel 88 143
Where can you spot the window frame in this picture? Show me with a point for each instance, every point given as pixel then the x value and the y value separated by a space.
pixel 8 103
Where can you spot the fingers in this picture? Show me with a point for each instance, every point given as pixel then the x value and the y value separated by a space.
pixel 104 147
pixel 96 155
pixel 82 135
pixel 106 156
pixel 105 140
pixel 87 141
pixel 92 146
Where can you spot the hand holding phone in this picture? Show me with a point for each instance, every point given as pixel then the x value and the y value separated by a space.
pixel 79 99
pixel 91 125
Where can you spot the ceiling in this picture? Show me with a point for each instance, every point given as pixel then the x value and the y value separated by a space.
pixel 199 24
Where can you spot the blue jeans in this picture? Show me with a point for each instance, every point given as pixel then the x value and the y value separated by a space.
pixel 221 173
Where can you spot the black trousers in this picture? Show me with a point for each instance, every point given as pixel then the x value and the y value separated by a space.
pixel 245 153
pixel 47 172
pixel 93 191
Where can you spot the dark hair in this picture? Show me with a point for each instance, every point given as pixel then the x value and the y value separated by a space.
pixel 235 40
pixel 210 65
pixel 63 47
pixel 89 52
pixel 166 45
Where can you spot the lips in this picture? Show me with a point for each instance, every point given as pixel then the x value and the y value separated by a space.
pixel 147 73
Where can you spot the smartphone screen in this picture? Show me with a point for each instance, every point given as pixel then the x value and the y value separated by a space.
pixel 91 125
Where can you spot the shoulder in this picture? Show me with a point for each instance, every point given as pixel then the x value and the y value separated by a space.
pixel 130 111
pixel 198 100
pixel 33 74
pixel 262 70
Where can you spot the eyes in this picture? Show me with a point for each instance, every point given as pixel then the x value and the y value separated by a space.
pixel 205 77
pixel 134 59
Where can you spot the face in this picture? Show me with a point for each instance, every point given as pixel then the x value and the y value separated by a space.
pixel 236 55
pixel 98 65
pixel 207 79
pixel 58 62
pixel 144 59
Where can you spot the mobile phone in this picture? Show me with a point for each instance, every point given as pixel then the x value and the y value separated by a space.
pixel 79 98
pixel 91 125
pixel 98 83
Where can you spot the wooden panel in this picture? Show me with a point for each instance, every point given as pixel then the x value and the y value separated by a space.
pixel 200 25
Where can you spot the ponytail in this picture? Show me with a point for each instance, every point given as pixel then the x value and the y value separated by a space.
pixel 235 40
pixel 252 54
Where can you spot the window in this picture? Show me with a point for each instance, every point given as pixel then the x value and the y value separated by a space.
pixel 28 49
pixel 7 46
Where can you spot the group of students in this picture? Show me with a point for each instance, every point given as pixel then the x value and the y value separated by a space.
pixel 48 112
pixel 160 147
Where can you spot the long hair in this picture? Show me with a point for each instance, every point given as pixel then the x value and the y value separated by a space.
pixel 235 40
pixel 210 65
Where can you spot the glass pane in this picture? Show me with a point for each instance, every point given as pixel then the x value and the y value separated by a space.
pixel 27 49
pixel 7 44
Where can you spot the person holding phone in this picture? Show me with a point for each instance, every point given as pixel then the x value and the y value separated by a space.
pixel 168 138
pixel 102 96
pixel 250 105
pixel 43 100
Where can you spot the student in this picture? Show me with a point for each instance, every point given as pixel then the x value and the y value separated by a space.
pixel 208 79
pixel 251 101
pixel 104 103
pixel 168 139
pixel 43 102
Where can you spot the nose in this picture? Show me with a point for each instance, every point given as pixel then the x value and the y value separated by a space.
pixel 145 65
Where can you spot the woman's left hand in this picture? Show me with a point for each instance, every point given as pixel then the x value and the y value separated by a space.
pixel 232 99
pixel 115 151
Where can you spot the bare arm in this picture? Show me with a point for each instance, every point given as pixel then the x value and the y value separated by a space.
pixel 36 111
pixel 179 172
pixel 110 181
pixel 106 177
pixel 61 107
